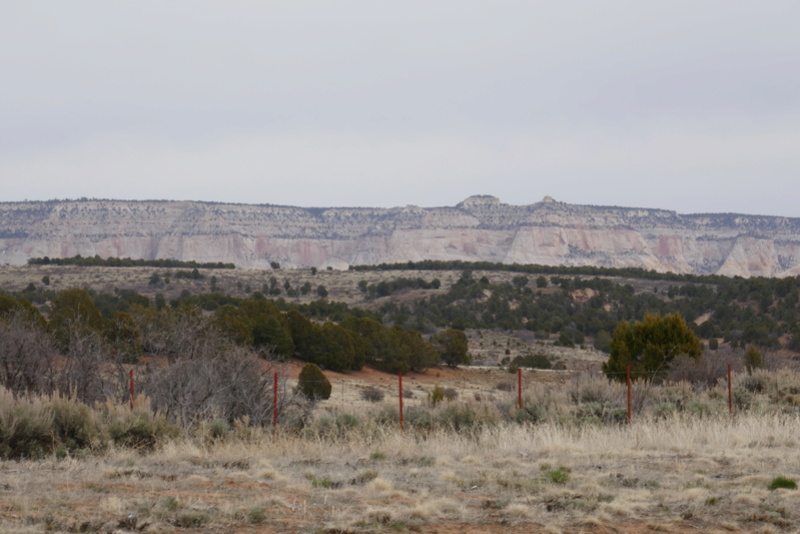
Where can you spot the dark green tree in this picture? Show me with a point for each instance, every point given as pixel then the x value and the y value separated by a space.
pixel 371 338
pixel 73 311
pixel 418 353
pixel 313 383
pixel 452 347
pixel 337 352
pixel 270 327
pixel 649 346
pixel 233 323
pixel 10 306
pixel 520 281
pixel 125 337
pixel 302 331
pixel 752 358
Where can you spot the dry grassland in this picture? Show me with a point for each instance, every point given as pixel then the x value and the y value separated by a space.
pixel 676 475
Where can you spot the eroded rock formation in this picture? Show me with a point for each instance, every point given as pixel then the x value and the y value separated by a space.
pixel 481 228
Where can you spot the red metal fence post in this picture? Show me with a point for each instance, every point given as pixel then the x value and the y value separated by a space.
pixel 629 394
pixel 275 404
pixel 400 390
pixel 519 388
pixel 130 375
pixel 730 393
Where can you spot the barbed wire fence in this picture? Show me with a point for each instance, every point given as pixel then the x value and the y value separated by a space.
pixel 395 391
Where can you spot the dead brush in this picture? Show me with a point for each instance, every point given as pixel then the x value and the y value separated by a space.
pixel 371 394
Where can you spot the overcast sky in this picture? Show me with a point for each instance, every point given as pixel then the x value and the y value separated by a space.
pixel 692 106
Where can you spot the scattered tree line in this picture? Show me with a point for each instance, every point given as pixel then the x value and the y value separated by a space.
pixel 388 287
pixel 759 311
pixel 84 342
pixel 533 268
pixel 97 261
pixel 575 310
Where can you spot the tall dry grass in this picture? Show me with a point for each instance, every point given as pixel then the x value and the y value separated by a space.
pixel 671 470
pixel 663 474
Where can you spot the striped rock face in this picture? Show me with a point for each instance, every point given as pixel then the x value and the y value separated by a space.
pixel 481 228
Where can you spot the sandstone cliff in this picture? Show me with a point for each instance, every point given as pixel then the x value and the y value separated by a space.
pixel 481 228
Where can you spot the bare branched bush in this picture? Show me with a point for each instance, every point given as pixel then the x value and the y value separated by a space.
pixel 201 374
pixel 181 334
pixel 372 394
pixel 505 386
pixel 707 371
pixel 86 373
pixel 27 356
pixel 231 386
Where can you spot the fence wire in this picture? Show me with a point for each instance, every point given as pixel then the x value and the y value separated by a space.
pixel 609 397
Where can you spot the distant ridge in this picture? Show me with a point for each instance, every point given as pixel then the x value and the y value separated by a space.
pixel 480 228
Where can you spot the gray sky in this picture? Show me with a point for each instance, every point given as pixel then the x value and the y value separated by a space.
pixel 692 106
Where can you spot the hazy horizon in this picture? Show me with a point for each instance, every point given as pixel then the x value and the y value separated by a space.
pixel 692 108
pixel 352 206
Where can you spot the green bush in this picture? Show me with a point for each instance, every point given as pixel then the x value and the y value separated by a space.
pixel 752 358
pixel 333 427
pixel 698 409
pixel 782 483
pixel 75 427
pixel 559 475
pixel 141 431
pixel 25 431
pixel 217 429
pixel 190 520
pixel 418 418
pixel 460 417
pixel 38 426
pixel 529 414
pixel 436 395
pixel 313 383
pixel 257 516
pixel 755 383
pixel 532 361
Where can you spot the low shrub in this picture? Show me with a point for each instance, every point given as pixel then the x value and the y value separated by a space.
pixel 38 426
pixel 75 426
pixel 532 361
pixel 371 394
pixel 25 430
pixel 436 395
pixel 755 383
pixel 313 383
pixel 217 429
pixel 559 475
pixel 418 418
pixel 328 426
pixel 460 417
pixel 782 483
pixel 505 386
pixel 140 430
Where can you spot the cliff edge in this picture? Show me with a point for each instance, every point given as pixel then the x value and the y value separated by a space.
pixel 481 228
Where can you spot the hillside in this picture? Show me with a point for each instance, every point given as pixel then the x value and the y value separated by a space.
pixel 481 228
